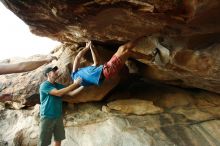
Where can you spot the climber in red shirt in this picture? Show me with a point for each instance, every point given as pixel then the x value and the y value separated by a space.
pixel 96 73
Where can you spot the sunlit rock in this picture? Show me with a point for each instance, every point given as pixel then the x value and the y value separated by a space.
pixel 134 106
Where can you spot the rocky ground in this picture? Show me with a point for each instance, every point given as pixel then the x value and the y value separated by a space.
pixel 147 114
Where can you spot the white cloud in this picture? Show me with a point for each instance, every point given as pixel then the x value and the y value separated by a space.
pixel 17 41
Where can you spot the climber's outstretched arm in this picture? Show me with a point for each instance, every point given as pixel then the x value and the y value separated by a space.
pixel 131 44
pixel 95 55
pixel 76 63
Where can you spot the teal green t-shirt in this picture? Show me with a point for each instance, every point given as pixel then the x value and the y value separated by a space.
pixel 51 106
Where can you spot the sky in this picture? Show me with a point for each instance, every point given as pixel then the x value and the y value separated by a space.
pixel 17 41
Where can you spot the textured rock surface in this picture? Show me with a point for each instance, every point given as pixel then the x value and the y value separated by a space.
pixel 188 29
pixel 189 118
pixel 134 106
pixel 116 19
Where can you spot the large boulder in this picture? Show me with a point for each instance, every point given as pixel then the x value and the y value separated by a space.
pixel 188 30
pixel 169 116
